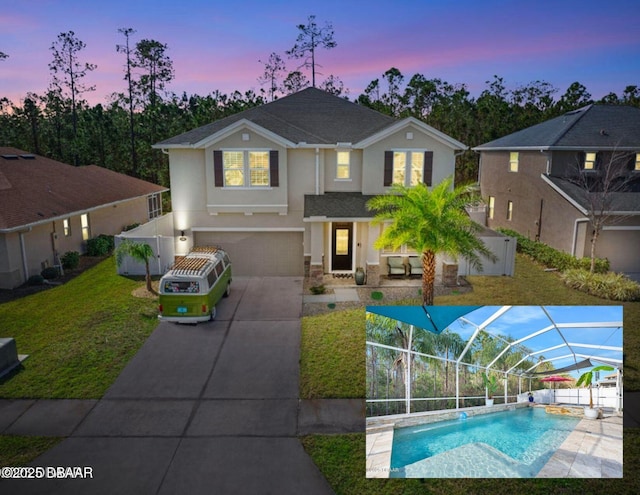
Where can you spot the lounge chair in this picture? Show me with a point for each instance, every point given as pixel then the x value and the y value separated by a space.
pixel 396 266
pixel 414 266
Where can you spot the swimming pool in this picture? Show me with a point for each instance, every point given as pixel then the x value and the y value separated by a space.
pixel 509 444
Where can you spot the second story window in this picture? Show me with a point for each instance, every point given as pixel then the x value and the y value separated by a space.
pixel 343 166
pixel 408 167
pixel 246 168
pixel 589 161
pixel 514 158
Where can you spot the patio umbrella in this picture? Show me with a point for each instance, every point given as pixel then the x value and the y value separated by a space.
pixel 555 379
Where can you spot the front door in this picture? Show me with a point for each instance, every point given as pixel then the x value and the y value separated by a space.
pixel 342 255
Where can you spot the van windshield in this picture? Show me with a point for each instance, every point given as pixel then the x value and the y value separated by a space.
pixel 174 286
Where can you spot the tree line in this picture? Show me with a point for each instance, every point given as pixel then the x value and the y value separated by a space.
pixel 118 135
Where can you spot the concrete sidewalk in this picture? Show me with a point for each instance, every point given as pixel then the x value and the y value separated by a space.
pixel 211 408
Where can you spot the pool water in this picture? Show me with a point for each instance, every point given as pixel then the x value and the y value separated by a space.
pixel 509 444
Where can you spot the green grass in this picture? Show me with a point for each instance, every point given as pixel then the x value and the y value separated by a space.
pixel 333 365
pixel 19 451
pixel 78 336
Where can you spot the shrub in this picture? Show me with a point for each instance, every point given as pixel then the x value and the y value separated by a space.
pixel 100 246
pixel 70 260
pixel 318 289
pixel 50 273
pixel 35 280
pixel 552 258
pixel 127 228
pixel 612 286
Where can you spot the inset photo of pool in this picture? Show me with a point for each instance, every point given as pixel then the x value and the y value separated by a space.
pixel 494 391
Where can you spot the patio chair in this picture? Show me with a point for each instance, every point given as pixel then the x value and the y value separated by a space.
pixel 395 266
pixel 414 266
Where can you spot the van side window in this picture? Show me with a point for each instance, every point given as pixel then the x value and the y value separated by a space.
pixel 219 268
pixel 227 262
pixel 211 278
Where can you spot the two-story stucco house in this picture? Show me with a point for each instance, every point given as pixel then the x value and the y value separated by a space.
pixel 283 187
pixel 546 180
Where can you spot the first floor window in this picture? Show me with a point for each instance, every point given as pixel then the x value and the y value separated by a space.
pixel 66 227
pixel 492 206
pixel 154 205
pixel 509 210
pixel 84 222
pixel 343 168
pixel 637 163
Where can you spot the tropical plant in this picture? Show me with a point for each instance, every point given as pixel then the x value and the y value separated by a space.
pixel 491 383
pixel 139 251
pixel 587 377
pixel 430 221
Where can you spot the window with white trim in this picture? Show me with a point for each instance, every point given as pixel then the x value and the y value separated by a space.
pixel 66 227
pixel 590 161
pixel 408 167
pixel 492 206
pixel 246 168
pixel 86 229
pixel 154 205
pixel 514 158
pixel 343 166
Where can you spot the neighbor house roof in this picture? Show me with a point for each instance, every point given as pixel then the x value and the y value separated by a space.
pixel 310 116
pixel 35 189
pixel 594 127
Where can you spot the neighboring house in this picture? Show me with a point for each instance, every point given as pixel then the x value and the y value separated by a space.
pixel 283 187
pixel 48 208
pixel 529 180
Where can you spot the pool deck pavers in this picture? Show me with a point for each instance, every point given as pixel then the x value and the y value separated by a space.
pixel 211 408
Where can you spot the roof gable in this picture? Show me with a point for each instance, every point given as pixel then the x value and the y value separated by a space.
pixel 311 116
pixel 598 127
pixel 38 189
pixel 412 122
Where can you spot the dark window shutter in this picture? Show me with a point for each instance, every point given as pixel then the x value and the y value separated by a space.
pixel 218 179
pixel 274 178
pixel 388 168
pixel 427 171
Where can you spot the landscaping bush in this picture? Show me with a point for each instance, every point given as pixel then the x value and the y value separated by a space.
pixel 70 260
pixel 127 228
pixel 35 280
pixel 552 258
pixel 100 246
pixel 50 273
pixel 612 286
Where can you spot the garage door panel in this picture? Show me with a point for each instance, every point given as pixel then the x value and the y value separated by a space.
pixel 620 247
pixel 259 253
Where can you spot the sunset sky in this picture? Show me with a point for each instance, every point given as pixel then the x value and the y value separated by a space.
pixel 217 45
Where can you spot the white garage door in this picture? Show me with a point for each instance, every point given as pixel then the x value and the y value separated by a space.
pixel 621 247
pixel 259 253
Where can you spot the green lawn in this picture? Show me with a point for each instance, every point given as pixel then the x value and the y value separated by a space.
pixel 78 336
pixel 329 368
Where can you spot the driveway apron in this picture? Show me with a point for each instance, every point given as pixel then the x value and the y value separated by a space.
pixel 203 409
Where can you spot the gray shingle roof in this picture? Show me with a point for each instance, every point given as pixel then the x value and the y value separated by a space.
pixel 312 116
pixel 620 201
pixel 337 205
pixel 598 127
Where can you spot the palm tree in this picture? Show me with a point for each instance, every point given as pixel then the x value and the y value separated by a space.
pixel 140 252
pixel 587 378
pixel 430 222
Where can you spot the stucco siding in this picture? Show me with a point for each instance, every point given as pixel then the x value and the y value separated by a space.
pixel 332 182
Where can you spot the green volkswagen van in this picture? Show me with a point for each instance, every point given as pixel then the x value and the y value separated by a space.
pixel 191 289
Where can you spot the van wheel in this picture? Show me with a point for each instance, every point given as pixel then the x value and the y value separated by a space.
pixel 213 314
pixel 227 292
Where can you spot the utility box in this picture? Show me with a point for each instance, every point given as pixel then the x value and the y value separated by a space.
pixel 8 355
pixel 449 274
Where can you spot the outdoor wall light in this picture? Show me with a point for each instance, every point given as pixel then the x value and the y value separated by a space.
pixel 182 236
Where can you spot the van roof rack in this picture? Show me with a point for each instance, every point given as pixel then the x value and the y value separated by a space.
pixel 196 261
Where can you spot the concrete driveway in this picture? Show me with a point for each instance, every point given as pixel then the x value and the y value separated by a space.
pixel 211 408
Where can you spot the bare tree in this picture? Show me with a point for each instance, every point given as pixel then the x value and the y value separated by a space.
pixel 67 73
pixel 274 68
pixel 334 85
pixel 311 37
pixel 126 49
pixel 294 82
pixel 602 177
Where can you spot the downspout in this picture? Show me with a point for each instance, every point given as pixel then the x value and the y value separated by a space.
pixel 317 171
pixel 23 253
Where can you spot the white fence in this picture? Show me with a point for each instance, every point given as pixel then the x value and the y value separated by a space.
pixel 503 248
pixel 602 396
pixel 159 234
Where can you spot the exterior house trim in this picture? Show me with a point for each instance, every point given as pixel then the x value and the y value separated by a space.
pixel 406 122
pixel 247 229
pixel 572 201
